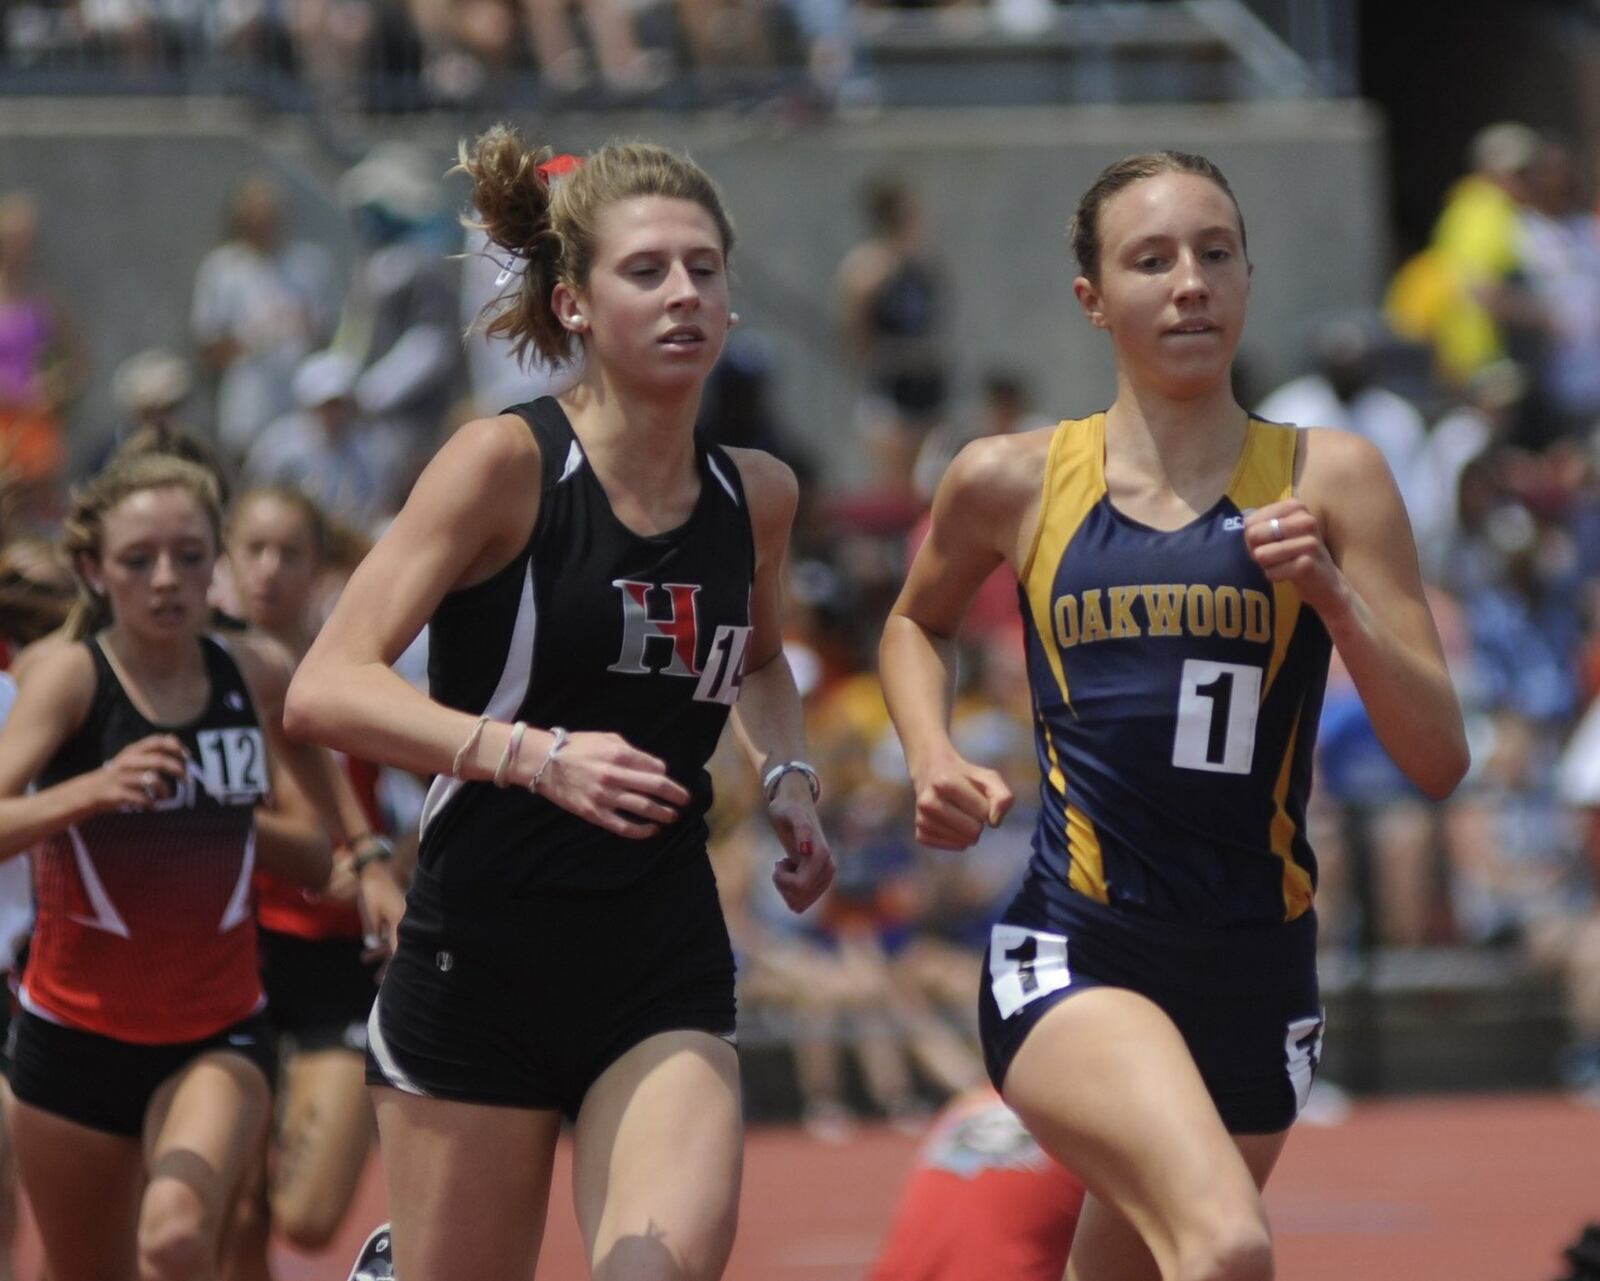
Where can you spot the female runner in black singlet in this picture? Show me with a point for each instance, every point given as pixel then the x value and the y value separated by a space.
pixel 601 591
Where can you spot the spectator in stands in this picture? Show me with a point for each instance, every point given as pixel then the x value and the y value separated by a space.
pixel 404 299
pixel 1461 293
pixel 1561 265
pixel 142 35
pixel 871 916
pixel 1382 827
pixel 624 67
pixel 261 305
pixel 1481 422
pixel 983 1200
pixel 893 308
pixel 1342 391
pixel 830 1002
pixel 1585 529
pixel 328 451
pixel 40 367
pixel 466 45
pixel 150 390
pixel 1523 618
pixel 334 41
pixel 834 59
pixel 1522 877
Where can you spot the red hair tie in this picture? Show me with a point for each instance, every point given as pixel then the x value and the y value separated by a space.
pixel 558 167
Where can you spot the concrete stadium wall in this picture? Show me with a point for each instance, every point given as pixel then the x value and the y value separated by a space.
pixel 135 193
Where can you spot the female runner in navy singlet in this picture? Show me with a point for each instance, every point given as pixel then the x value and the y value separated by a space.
pixel 142 1058
pixel 601 590
pixel 1150 1003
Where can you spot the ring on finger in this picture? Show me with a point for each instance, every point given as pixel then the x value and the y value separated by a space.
pixel 1277 529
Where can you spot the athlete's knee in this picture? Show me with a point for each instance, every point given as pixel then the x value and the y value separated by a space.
pixel 306 1223
pixel 177 1241
pixel 1240 1250
pixel 649 1258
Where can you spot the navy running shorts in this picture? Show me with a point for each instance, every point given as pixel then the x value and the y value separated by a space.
pixel 1245 999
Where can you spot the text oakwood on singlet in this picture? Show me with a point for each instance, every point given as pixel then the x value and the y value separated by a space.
pixel 1161 609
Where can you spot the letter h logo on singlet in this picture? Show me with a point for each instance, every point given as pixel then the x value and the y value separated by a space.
pixel 639 628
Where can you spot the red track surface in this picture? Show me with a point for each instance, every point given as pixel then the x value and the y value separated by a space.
pixel 1458 1189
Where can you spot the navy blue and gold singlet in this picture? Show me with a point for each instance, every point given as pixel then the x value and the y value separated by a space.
pixel 1176 696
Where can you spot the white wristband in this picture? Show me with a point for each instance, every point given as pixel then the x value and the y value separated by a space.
pixel 502 771
pixel 557 743
pixel 460 762
pixel 774 776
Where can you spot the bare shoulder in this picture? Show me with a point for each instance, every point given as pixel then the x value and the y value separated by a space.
pixel 55 660
pixel 499 451
pixel 1334 465
pixel 476 502
pixel 771 493
pixel 265 664
pixel 60 672
pixel 996 474
pixel 766 479
pixel 31 655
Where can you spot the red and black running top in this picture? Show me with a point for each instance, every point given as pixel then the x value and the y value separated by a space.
pixel 144 930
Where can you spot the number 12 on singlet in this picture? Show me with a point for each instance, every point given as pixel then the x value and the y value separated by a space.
pixel 1217 707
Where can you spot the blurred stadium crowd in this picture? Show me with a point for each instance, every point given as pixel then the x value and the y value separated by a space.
pixel 1479 380
pixel 347 55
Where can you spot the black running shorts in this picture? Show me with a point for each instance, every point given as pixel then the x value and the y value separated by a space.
pixel 319 991
pixel 525 1003
pixel 107 1084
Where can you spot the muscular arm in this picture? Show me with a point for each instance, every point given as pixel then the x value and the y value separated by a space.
pixel 469 515
pixel 471 512
pixel 987 499
pixel 768 718
pixel 1348 548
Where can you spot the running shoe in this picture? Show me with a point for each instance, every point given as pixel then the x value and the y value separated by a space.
pixel 376 1260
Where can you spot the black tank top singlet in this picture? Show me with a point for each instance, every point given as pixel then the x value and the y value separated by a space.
pixel 591 627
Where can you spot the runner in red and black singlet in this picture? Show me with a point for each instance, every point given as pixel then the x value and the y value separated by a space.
pixel 142 1059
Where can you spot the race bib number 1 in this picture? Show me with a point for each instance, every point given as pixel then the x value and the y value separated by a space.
pixel 1025 965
